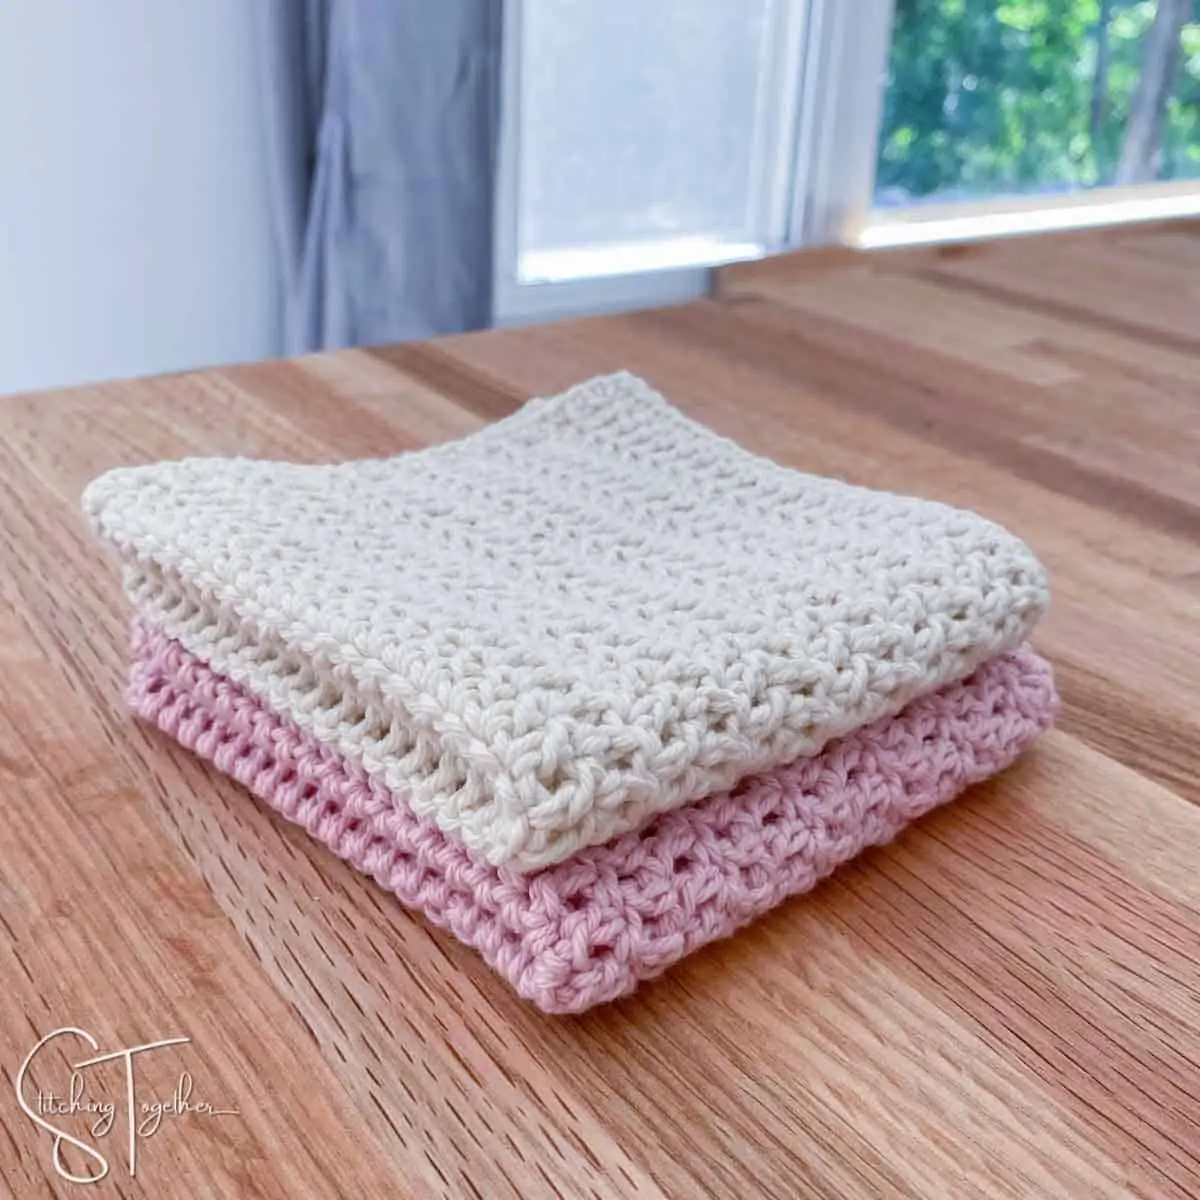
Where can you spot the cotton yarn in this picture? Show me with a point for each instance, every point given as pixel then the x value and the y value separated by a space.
pixel 590 613
pixel 589 930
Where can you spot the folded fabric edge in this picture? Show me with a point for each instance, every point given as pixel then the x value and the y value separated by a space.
pixel 505 833
pixel 505 814
pixel 590 929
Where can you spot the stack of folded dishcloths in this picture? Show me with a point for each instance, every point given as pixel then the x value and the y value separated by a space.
pixel 591 687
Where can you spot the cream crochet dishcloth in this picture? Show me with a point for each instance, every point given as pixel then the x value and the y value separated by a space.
pixel 591 612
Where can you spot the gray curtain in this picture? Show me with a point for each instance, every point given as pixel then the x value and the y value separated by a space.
pixel 381 119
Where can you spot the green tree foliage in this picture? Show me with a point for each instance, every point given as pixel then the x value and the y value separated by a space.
pixel 995 96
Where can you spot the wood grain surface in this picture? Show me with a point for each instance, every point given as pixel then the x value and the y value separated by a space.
pixel 1004 1003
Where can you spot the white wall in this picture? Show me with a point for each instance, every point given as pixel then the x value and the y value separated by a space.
pixel 134 229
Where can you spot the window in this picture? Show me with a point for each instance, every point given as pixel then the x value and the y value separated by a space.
pixel 642 137
pixel 646 131
pixel 1022 115
pixel 644 142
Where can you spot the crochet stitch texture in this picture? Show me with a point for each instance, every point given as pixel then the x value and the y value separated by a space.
pixel 590 929
pixel 581 616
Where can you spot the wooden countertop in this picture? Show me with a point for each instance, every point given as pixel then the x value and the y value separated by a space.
pixel 1005 1003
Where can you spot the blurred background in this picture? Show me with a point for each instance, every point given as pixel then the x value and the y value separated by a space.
pixel 193 184
pixel 992 97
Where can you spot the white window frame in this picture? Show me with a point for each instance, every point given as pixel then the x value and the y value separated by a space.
pixel 1006 216
pixel 818 185
pixel 841 108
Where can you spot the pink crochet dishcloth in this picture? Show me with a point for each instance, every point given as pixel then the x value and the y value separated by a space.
pixel 589 929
